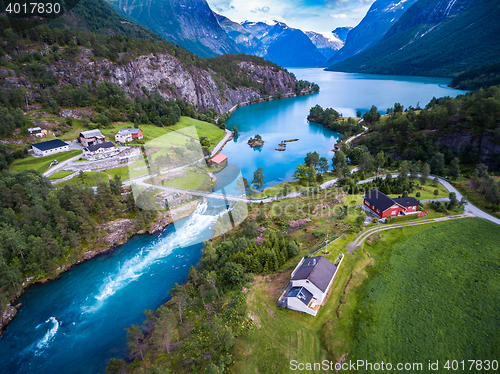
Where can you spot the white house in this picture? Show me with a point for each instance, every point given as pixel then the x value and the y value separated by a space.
pixel 49 148
pixel 310 282
pixel 98 151
pixel 127 135
pixel 37 131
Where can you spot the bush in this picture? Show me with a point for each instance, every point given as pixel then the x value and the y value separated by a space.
pixel 418 194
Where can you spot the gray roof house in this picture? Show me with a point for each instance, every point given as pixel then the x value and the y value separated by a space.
pixel 91 137
pixel 310 282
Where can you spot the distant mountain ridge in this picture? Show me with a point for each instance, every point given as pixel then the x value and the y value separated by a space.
pixel 372 28
pixel 434 38
pixel 189 23
pixel 286 46
pixel 246 41
pixel 327 44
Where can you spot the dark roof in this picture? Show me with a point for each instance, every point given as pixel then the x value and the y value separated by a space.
pixel 379 200
pixel 406 201
pixel 51 144
pixel 95 147
pixel 318 270
pixel 300 293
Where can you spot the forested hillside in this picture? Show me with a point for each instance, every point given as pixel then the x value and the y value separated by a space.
pixel 131 75
pixel 434 38
pixel 474 79
pixel 43 228
pixel 467 126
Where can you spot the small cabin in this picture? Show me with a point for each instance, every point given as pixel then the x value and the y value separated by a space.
pixel 219 160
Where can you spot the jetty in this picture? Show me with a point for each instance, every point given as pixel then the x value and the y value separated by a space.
pixel 291 140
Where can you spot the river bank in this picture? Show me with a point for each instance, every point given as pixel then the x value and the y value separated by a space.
pixel 118 232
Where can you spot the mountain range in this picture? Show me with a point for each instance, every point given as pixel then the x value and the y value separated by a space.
pixel 193 25
pixel 406 37
pixel 433 38
pixel 189 23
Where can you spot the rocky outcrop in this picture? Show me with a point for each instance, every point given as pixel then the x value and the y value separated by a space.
pixel 7 316
pixel 172 79
pixel 484 143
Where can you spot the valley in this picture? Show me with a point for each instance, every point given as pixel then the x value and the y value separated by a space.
pixel 203 186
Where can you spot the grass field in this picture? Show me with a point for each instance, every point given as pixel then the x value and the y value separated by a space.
pixel 433 294
pixel 41 164
pixel 151 132
pixel 61 174
pixel 192 181
pixel 91 179
pixel 418 293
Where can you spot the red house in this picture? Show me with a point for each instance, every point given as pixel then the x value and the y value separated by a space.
pixel 383 206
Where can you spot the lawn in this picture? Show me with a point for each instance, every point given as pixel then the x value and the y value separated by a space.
pixel 281 335
pixel 418 274
pixel 41 164
pixel 91 179
pixel 61 174
pixel 151 132
pixel 192 181
pixel 212 132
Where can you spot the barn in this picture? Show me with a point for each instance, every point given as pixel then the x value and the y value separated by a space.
pixel 382 206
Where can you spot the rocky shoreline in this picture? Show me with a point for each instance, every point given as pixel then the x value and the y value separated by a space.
pixel 118 232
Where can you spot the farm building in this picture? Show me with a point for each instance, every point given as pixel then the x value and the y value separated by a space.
pixel 99 151
pixel 310 282
pixel 382 206
pixel 127 135
pixel 218 160
pixel 49 148
pixel 91 137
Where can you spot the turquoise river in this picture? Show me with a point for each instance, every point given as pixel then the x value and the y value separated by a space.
pixel 76 323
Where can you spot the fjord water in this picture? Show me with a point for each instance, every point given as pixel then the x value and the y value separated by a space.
pixel 283 119
pixel 76 323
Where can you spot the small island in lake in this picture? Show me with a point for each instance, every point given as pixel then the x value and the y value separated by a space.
pixel 280 148
pixel 256 142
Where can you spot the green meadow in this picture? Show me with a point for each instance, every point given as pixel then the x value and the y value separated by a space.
pixel 41 164
pixel 414 294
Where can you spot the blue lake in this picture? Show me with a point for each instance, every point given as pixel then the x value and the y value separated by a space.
pixel 284 119
pixel 76 323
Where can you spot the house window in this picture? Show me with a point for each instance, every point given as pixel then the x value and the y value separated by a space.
pixel 393 213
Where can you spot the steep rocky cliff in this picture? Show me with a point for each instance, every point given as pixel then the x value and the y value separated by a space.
pixel 169 76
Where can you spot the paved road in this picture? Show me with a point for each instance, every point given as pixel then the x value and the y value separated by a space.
pixel 219 145
pixel 355 136
pixel 468 207
pixel 60 166
pixel 363 236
